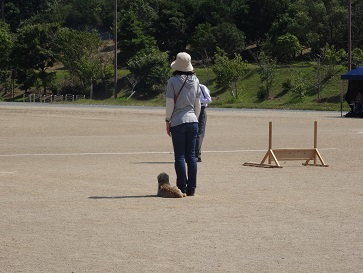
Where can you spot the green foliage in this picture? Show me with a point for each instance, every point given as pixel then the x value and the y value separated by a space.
pixel 229 38
pixel 286 86
pixel 332 55
pixel 87 14
pixel 151 68
pixel 27 78
pixel 132 38
pixel 229 71
pixel 171 28
pixel 18 12
pixel 314 22
pixel 225 36
pixel 357 24
pixel 198 26
pixel 145 10
pixel 260 16
pixel 216 12
pixel 326 66
pixel 172 23
pixel 300 83
pixel 267 74
pixel 357 57
pixel 287 47
pixel 73 44
pixel 35 50
pixel 79 52
pixel 203 41
pixel 6 45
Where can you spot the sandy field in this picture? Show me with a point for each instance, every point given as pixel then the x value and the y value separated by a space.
pixel 78 193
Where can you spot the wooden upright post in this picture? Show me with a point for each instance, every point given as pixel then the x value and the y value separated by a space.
pixel 315 139
pixel 269 141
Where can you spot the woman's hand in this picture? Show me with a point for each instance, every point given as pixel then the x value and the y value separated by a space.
pixel 167 124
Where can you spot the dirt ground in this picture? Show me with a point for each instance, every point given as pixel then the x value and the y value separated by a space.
pixel 78 186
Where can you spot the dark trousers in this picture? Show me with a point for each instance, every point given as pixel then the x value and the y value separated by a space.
pixel 202 122
pixel 183 137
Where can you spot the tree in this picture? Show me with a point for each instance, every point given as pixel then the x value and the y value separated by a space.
pixel 325 66
pixel 314 23
pixel 146 11
pixel 6 44
pixel 27 78
pixel 229 71
pixel 203 41
pixel 88 14
pixel 216 12
pixel 79 52
pixel 229 38
pixel 267 75
pixel 260 17
pixel 35 50
pixel 132 38
pixel 151 68
pixel 299 82
pixel 357 57
pixel 333 57
pixel 171 28
pixel 19 11
pixel 357 24
pixel 226 36
pixel 287 47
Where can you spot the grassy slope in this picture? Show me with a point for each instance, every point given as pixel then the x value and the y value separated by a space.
pixel 329 97
pixel 248 88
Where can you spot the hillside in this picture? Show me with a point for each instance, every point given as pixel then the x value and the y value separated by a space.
pixel 279 98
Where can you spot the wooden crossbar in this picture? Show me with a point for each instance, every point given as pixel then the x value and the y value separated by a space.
pixel 286 154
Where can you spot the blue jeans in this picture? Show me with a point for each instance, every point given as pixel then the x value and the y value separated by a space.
pixel 184 139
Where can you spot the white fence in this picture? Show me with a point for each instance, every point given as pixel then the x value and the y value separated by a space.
pixel 52 98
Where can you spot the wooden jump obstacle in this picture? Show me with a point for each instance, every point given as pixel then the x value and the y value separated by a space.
pixel 290 154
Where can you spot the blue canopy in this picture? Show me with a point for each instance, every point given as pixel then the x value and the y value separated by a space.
pixel 355 74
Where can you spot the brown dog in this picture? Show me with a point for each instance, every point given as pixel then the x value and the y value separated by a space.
pixel 165 189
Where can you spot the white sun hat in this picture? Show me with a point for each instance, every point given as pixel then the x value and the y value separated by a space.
pixel 183 62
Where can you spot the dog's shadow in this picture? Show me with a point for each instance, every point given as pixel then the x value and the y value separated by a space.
pixel 123 197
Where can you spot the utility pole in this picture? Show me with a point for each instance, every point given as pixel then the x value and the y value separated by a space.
pixel 115 51
pixel 350 37
pixel 13 76
pixel 2 10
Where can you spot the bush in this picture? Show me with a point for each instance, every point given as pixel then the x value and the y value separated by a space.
pixel 287 47
pixel 287 86
pixel 151 67
pixel 357 57
pixel 262 93
pixel 229 71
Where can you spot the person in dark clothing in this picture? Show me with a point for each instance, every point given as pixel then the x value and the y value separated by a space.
pixel 205 99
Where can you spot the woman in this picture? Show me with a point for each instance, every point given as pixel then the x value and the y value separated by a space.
pixel 182 111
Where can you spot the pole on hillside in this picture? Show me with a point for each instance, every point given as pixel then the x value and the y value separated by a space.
pixel 115 52
pixel 2 10
pixel 350 37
